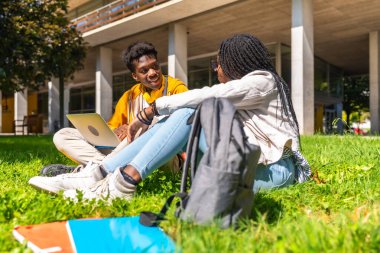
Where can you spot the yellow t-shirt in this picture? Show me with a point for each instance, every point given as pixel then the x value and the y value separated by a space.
pixel 132 100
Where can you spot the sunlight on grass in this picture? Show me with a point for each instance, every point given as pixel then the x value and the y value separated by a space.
pixel 337 211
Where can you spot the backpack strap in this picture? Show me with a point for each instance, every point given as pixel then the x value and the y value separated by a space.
pixel 151 219
pixel 191 149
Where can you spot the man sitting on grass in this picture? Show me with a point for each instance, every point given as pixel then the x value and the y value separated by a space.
pixel 141 60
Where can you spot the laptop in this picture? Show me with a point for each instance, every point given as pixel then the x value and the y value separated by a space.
pixel 94 129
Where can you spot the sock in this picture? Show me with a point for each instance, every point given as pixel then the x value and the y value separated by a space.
pixel 103 171
pixel 127 177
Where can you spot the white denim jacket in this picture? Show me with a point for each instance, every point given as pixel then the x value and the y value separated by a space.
pixel 257 100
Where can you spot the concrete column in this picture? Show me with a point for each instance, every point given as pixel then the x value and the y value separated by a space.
pixel 374 81
pixel 103 83
pixel 21 104
pixel 177 56
pixel 53 105
pixel 303 64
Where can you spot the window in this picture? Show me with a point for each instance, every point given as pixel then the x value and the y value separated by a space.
pixel 42 104
pixel 328 79
pixel 121 83
pixel 82 100
pixel 200 73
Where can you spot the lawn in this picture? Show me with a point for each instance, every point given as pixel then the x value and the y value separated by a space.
pixel 337 211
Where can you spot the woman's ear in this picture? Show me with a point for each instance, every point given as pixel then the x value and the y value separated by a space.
pixel 221 76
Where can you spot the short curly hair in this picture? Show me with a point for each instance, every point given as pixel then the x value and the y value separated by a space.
pixel 135 51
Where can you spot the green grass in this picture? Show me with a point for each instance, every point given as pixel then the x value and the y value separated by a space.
pixel 339 213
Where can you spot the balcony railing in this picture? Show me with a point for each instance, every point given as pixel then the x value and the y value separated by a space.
pixel 112 12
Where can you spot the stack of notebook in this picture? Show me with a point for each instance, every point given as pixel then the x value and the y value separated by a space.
pixel 124 234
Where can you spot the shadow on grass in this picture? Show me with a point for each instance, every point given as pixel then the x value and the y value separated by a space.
pixel 165 183
pixel 26 148
pixel 265 208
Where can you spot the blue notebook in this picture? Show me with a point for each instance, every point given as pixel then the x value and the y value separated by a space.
pixel 106 235
pixel 118 235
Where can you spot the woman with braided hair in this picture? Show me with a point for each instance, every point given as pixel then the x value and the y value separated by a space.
pixel 261 97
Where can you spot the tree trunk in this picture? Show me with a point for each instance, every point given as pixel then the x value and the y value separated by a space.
pixel 61 99
pixel 348 112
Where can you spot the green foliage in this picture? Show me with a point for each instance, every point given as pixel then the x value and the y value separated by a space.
pixel 37 43
pixel 338 211
pixel 355 95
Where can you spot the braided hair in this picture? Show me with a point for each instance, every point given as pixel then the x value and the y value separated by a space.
pixel 244 53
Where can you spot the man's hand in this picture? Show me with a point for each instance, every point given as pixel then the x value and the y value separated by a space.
pixel 138 124
pixel 134 128
pixel 121 132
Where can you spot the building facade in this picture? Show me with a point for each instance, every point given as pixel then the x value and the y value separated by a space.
pixel 312 43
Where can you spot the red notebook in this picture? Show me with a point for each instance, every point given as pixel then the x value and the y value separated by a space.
pixel 50 237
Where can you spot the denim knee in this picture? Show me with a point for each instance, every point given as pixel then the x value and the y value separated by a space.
pixel 276 175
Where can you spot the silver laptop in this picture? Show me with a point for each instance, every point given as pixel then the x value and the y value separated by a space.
pixel 94 129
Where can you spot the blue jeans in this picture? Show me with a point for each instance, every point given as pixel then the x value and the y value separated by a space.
pixel 155 147
pixel 275 175
pixel 169 136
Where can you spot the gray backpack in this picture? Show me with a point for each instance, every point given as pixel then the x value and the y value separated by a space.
pixel 222 182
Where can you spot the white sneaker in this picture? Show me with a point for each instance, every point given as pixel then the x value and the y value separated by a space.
pixel 111 187
pixel 87 177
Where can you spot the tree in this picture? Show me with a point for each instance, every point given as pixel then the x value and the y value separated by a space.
pixel 38 43
pixel 355 95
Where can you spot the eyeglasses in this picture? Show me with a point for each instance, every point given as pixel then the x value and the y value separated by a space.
pixel 214 65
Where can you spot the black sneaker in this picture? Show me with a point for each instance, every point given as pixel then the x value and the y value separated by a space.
pixel 53 170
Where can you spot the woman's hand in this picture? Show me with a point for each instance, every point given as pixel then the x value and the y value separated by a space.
pixel 121 131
